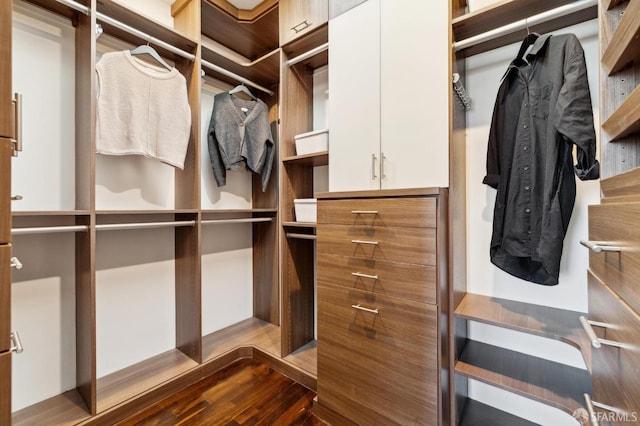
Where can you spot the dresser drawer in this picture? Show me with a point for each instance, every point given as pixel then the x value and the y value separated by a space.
pixel 615 371
pixel 409 212
pixel 371 364
pixel 404 280
pixel 389 244
pixel 618 224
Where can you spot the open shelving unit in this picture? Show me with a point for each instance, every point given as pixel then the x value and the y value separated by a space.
pixel 474 33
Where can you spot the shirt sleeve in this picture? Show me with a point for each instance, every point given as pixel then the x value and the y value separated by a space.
pixel 574 113
pixel 219 170
pixel 492 178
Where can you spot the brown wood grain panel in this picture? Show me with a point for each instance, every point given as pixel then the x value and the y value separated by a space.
pixel 306 358
pixel 65 409
pixel 5 388
pixel 5 298
pixel 266 305
pixel 5 190
pixel 250 332
pixel 626 119
pixel 188 266
pixel 85 111
pixel 552 383
pixel 406 212
pixel 263 71
pixel 498 14
pixel 6 87
pixel 626 49
pixel 615 370
pixel 299 18
pixel 617 224
pixel 413 282
pixel 380 193
pixel 299 365
pixel 393 243
pixel 377 366
pixel 539 320
pixel 85 255
pixel 622 185
pixel 250 38
pixel 309 160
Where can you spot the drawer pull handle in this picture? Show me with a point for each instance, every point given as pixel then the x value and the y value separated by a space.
pixel 593 418
pixel 16 197
pixel 373 243
pixel 597 342
pixel 361 308
pixel 361 275
pixel 16 344
pixel 600 246
pixel 301 26
pixel 364 211
pixel 17 142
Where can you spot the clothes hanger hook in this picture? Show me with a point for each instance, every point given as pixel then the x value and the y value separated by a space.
pixel 526 23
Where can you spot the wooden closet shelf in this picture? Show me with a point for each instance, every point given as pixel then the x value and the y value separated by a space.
pixel 250 332
pixel 125 384
pixel 626 47
pixel 499 14
pixel 308 160
pixel 231 213
pixel 539 320
pixel 252 38
pixel 64 409
pixel 155 29
pixel 300 224
pixel 144 212
pixel 625 120
pixel 310 41
pixel 549 382
pixel 50 213
pixel 477 413
pixel 264 70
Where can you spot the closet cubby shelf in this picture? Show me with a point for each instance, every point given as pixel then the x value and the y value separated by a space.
pixel 61 213
pixel 252 34
pixel 263 70
pixel 144 212
pixel 310 41
pixel 549 382
pixel 507 11
pixel 300 224
pixel 625 120
pixel 558 324
pixel 65 409
pixel 627 35
pixel 475 413
pixel 308 160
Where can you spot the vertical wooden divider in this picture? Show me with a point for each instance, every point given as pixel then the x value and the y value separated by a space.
pixel 85 242
pixel 188 275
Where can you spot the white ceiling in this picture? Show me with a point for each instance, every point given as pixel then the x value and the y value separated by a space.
pixel 245 4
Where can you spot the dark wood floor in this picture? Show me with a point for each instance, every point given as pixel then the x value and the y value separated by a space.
pixel 244 393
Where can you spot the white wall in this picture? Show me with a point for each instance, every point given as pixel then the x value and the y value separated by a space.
pixel 482 80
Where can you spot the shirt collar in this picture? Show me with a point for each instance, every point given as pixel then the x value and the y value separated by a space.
pixel 538 46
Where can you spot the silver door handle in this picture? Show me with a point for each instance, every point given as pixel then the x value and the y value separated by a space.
pixel 361 275
pixel 362 308
pixel 15 263
pixel 16 197
pixel 16 343
pixel 373 167
pixel 364 211
pixel 374 243
pixel 596 341
pixel 600 246
pixel 17 142
pixel 382 173
pixel 301 26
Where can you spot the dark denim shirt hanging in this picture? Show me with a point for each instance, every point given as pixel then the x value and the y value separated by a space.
pixel 542 110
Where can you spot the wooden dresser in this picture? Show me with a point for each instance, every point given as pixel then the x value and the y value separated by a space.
pixel 382 293
pixel 614 301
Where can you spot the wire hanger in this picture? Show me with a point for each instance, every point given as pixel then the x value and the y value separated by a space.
pixel 527 42
pixel 147 49
pixel 244 89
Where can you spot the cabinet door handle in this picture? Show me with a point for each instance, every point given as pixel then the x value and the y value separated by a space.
pixel 382 173
pixel 373 167
pixel 600 246
pixel 596 341
pixel 301 26
pixel 15 263
pixel 16 343
pixel 364 211
pixel 362 308
pixel 361 275
pixel 16 197
pixel 17 142
pixel 374 243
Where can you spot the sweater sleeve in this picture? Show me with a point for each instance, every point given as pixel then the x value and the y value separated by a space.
pixel 268 163
pixel 219 170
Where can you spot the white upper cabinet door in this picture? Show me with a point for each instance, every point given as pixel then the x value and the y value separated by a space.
pixel 414 88
pixel 354 99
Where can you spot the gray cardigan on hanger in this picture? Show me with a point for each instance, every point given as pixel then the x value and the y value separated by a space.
pixel 240 136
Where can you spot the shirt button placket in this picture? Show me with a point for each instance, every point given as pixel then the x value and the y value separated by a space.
pixel 526 176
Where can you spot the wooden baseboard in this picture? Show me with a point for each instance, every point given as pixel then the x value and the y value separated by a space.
pixel 330 416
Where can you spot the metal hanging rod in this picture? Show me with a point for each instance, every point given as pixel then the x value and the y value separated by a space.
pixel 129 29
pixel 523 24
pixel 301 236
pixel 241 220
pixel 143 225
pixel 308 54
pixel 49 229
pixel 238 78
